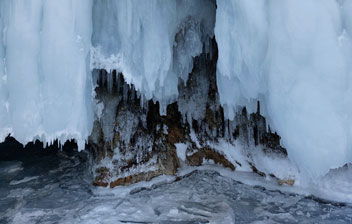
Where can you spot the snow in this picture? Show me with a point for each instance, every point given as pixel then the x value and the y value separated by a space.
pixel 24 180
pixel 10 166
pixel 295 56
pixel 209 194
pixel 234 153
pixel 281 167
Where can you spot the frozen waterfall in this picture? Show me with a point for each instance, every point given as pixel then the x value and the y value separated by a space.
pixel 295 56
pixel 45 84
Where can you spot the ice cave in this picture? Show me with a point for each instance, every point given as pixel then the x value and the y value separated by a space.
pixel 175 111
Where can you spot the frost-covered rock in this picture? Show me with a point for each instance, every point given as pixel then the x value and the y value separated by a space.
pixel 133 142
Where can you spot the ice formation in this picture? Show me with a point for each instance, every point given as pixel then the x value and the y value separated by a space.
pixel 4 125
pixel 46 88
pixel 151 42
pixel 45 85
pixel 293 55
pixel 296 57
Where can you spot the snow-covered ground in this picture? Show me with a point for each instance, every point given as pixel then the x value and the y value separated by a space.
pixel 43 186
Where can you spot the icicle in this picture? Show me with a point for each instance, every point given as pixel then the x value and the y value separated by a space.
pixel 103 78
pixel 206 45
pixel 133 93
pixel 211 48
pixel 125 92
pixel 109 81
pixel 118 82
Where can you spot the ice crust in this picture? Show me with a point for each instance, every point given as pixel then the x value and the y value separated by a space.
pixel 294 56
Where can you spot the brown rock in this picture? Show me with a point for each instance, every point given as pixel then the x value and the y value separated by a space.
pixel 175 135
pixel 149 145
pixel 255 170
pixel 145 176
pixel 103 176
pixel 196 159
pixel 287 182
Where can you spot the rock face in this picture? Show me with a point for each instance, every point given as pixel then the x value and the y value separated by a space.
pixel 131 141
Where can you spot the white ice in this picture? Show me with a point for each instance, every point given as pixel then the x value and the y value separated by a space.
pixel 45 87
pixel 295 56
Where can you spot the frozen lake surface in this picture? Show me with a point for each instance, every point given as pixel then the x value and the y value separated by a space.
pixel 48 186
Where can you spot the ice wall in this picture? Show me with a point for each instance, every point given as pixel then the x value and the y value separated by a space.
pixel 151 42
pixel 48 49
pixel 45 85
pixel 295 55
pixel 4 125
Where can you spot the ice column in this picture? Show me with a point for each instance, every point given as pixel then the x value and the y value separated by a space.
pixel 4 124
pixel 22 63
pixel 66 78
pixel 45 45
